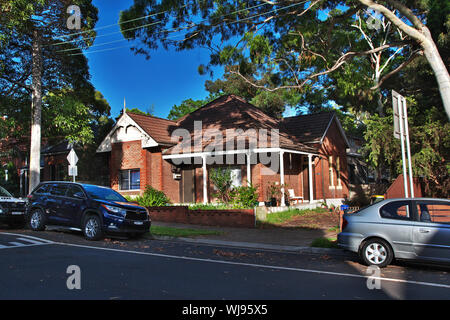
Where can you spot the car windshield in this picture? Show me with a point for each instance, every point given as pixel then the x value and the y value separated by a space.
pixel 4 193
pixel 101 193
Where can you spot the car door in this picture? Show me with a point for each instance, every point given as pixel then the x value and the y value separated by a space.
pixel 397 226
pixel 55 211
pixel 431 234
pixel 74 203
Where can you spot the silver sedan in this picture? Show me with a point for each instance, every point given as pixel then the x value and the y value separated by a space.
pixel 417 228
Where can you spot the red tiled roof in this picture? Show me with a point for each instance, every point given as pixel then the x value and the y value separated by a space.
pixel 308 128
pixel 158 128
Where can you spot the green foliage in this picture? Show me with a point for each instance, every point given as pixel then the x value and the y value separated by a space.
pixel 13 183
pixel 209 206
pixel 222 181
pixel 151 198
pixel 244 197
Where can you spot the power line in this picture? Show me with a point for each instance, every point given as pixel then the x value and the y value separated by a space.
pixel 143 26
pixel 187 27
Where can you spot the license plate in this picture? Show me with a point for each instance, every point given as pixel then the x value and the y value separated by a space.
pixel 16 212
pixel 139 223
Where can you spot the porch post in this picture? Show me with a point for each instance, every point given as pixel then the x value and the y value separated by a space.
pixel 283 203
pixel 249 170
pixel 205 180
pixel 310 175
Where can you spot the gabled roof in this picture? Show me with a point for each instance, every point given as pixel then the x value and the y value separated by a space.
pixel 312 128
pixel 159 129
pixel 231 112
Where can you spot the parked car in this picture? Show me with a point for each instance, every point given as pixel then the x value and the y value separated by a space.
pixel 417 228
pixel 92 209
pixel 12 210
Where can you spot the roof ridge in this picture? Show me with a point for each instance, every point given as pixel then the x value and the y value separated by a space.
pixel 150 116
pixel 310 114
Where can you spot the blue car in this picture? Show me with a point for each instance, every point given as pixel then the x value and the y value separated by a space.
pixel 94 210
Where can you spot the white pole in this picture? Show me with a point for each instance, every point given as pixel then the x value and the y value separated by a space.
pixel 310 175
pixel 283 200
pixel 402 143
pixel 408 149
pixel 249 169
pixel 205 189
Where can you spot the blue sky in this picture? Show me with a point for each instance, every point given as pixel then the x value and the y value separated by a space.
pixel 166 79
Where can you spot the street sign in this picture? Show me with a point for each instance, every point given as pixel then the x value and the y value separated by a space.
pixel 401 132
pixel 72 157
pixel 73 171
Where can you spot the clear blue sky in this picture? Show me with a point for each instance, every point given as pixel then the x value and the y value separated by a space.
pixel 166 79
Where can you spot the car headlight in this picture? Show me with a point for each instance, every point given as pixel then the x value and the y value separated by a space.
pixel 115 210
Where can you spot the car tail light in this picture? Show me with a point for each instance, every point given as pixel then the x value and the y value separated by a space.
pixel 344 223
pixel 29 197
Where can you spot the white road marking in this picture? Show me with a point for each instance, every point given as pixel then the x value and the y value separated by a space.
pixel 439 285
pixel 29 241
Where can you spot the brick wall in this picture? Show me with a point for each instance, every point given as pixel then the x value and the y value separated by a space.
pixel 223 218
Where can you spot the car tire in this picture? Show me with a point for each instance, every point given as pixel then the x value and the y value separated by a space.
pixel 92 228
pixel 376 252
pixel 37 220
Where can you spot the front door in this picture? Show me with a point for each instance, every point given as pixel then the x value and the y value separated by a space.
pixel 188 185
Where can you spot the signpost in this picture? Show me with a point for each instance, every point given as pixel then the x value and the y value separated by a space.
pixel 73 159
pixel 401 132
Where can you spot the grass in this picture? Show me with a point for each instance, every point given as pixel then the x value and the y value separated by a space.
pixel 180 232
pixel 325 243
pixel 283 216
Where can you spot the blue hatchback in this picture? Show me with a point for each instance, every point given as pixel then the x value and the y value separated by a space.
pixel 91 209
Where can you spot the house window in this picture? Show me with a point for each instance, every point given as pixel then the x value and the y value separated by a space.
pixel 129 179
pixel 330 173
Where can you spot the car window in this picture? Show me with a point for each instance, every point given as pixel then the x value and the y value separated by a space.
pixel 45 188
pixel 58 190
pixel 435 212
pixel 102 193
pixel 398 210
pixel 73 190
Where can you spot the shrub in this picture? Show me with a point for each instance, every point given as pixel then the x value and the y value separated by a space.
pixel 151 198
pixel 208 206
pixel 244 197
pixel 221 179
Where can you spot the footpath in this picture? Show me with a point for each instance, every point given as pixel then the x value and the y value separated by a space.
pixel 277 239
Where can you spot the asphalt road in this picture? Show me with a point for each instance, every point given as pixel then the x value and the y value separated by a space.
pixel 35 266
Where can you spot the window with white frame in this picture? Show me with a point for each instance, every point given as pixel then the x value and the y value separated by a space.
pixel 338 171
pixel 129 179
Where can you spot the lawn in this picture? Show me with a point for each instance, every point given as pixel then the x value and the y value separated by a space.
pixel 180 232
pixel 318 218
pixel 325 243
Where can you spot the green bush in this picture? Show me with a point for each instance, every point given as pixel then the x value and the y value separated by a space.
pixel 208 206
pixel 221 179
pixel 244 197
pixel 151 198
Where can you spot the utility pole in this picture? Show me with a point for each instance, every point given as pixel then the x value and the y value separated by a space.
pixel 36 109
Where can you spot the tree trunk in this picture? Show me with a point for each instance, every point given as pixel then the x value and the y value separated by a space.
pixel 440 70
pixel 36 108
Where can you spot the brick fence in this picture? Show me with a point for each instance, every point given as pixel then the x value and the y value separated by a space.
pixel 244 218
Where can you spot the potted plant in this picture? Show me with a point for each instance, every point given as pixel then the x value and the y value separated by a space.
pixel 273 191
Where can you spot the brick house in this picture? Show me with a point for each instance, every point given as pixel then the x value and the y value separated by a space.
pixel 305 155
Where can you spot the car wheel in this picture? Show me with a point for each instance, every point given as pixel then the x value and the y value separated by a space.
pixel 37 220
pixel 92 228
pixel 376 252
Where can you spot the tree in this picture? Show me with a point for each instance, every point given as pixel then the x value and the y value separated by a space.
pixel 42 26
pixel 296 45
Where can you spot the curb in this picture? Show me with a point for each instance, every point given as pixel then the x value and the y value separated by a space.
pixel 262 246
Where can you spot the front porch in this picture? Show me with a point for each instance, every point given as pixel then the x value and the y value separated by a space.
pixel 292 170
